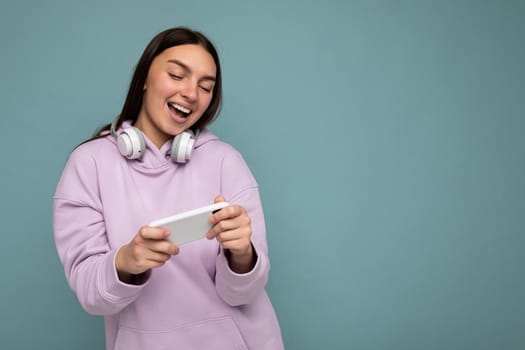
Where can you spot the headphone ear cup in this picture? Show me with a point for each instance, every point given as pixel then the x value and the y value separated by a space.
pixel 182 146
pixel 131 143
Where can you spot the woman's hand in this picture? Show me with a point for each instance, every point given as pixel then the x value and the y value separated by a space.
pixel 232 229
pixel 147 250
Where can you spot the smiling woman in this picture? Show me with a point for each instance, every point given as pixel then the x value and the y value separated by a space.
pixel 207 294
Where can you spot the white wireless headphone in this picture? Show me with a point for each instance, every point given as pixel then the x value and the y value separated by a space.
pixel 131 143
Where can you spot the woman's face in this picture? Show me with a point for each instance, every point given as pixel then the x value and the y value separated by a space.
pixel 178 90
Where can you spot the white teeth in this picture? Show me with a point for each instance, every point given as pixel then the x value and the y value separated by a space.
pixel 180 108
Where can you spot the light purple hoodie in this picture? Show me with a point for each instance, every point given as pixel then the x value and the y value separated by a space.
pixel 194 301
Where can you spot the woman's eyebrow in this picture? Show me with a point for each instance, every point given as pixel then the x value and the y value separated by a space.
pixel 186 68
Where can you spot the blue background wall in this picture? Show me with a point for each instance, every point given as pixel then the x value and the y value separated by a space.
pixel 387 138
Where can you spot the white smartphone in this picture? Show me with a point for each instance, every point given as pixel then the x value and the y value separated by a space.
pixel 190 225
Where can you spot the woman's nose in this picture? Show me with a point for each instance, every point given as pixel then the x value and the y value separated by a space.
pixel 189 91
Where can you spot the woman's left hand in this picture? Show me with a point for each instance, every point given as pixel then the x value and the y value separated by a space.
pixel 232 229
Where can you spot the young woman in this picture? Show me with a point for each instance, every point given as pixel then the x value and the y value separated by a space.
pixel 156 159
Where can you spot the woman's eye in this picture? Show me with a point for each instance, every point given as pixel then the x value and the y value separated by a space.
pixel 175 76
pixel 206 89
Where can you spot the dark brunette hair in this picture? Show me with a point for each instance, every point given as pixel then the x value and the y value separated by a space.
pixel 162 41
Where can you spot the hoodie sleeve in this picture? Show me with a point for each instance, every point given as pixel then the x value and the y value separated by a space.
pixel 239 187
pixel 81 240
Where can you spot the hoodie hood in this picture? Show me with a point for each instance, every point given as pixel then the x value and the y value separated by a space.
pixel 203 137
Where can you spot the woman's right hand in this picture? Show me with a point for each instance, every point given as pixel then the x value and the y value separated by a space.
pixel 147 250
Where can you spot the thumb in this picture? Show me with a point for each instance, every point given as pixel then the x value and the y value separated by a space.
pixel 219 199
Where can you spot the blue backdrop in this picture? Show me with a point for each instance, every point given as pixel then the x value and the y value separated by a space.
pixel 387 138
